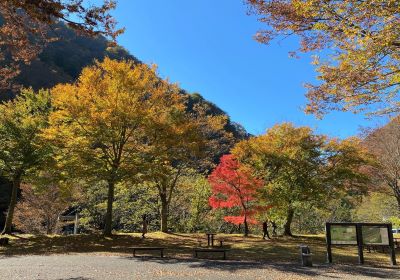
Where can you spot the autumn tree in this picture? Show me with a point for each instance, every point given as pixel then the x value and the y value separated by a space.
pixel 362 42
pixel 179 141
pixel 99 122
pixel 39 208
pixel 301 167
pixel 377 207
pixel 26 26
pixel 383 142
pixel 233 185
pixel 22 150
pixel 195 192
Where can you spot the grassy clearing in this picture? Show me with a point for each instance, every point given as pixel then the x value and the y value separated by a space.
pixel 281 249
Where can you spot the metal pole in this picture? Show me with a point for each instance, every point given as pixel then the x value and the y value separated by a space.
pixel 328 242
pixel 360 244
pixel 391 245
pixel 76 224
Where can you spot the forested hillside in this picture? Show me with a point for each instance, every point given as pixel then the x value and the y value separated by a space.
pixel 62 61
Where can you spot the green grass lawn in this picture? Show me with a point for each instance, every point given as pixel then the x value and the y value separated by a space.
pixel 280 249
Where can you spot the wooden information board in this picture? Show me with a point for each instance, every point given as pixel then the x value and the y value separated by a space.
pixel 359 234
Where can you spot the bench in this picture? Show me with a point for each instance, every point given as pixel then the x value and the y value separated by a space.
pixel 210 250
pixel 161 249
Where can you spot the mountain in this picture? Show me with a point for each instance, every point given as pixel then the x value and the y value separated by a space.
pixel 62 61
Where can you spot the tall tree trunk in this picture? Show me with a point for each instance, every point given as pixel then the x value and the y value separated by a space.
pixel 398 204
pixel 393 184
pixel 246 227
pixel 11 207
pixel 289 219
pixel 164 213
pixel 110 200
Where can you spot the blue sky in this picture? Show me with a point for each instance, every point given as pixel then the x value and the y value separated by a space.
pixel 207 46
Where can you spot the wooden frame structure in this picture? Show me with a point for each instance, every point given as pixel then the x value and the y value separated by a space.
pixel 358 239
pixel 72 219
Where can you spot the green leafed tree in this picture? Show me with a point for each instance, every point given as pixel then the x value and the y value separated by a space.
pixel 189 210
pixel 376 207
pixel 301 167
pixel 22 149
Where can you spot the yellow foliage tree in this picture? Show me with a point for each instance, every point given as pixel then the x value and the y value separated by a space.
pixel 362 40
pixel 99 122
pixel 22 150
pixel 177 142
pixel 301 167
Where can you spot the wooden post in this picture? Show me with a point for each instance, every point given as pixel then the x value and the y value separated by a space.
pixel 76 224
pixel 391 245
pixel 360 244
pixel 328 242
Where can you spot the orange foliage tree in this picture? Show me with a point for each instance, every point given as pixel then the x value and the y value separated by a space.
pixel 361 43
pixel 38 210
pixel 26 26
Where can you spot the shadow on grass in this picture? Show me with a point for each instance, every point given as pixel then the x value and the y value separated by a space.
pixel 43 245
pixel 46 245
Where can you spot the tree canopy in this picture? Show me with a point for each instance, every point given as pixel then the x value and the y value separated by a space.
pixel 178 141
pixel 22 149
pixel 233 186
pixel 301 167
pixel 383 143
pixel 26 26
pixel 109 138
pixel 98 123
pixel 362 43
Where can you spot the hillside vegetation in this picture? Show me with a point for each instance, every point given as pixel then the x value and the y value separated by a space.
pixel 62 61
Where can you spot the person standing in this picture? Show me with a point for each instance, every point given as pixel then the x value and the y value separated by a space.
pixel 144 226
pixel 265 229
pixel 273 228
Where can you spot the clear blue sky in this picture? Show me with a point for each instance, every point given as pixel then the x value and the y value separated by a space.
pixel 207 46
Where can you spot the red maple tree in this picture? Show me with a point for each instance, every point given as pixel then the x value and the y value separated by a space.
pixel 233 185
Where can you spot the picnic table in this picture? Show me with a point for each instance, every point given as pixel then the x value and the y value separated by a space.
pixel 210 239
